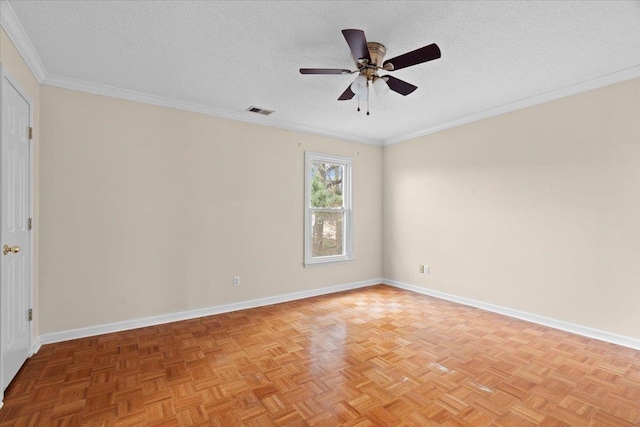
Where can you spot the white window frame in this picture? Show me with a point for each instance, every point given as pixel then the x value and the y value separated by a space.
pixel 347 235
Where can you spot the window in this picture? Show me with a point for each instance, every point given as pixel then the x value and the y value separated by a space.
pixel 327 208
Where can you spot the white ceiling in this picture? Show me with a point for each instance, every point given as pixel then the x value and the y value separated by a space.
pixel 230 55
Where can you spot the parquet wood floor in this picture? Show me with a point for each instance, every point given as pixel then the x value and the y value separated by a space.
pixel 377 356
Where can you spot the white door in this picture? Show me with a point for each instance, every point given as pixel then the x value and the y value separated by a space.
pixel 15 250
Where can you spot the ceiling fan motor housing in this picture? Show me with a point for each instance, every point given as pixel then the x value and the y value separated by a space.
pixel 377 52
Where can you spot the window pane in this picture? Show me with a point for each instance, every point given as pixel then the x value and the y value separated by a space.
pixel 327 231
pixel 326 185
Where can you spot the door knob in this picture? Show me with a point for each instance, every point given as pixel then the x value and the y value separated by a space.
pixel 12 249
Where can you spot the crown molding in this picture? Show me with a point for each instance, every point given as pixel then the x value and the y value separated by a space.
pixel 14 29
pixel 98 89
pixel 608 79
pixel 243 116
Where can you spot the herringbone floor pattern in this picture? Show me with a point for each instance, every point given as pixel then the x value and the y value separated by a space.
pixel 379 356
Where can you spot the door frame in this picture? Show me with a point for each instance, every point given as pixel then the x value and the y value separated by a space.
pixel 6 75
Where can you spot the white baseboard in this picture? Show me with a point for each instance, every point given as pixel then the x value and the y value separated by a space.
pixel 35 346
pixel 192 314
pixel 522 315
pixel 208 311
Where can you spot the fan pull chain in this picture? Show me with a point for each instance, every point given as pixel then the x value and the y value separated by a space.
pixel 367 97
pixel 358 102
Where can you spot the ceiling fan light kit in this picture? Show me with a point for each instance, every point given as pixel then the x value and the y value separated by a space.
pixel 368 57
pixel 380 86
pixel 359 85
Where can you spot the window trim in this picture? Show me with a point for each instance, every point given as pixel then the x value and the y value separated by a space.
pixel 347 235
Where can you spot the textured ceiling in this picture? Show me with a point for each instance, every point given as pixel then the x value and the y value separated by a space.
pixel 230 55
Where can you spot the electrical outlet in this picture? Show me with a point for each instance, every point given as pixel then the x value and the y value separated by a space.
pixel 421 269
pixel 236 281
pixel 426 269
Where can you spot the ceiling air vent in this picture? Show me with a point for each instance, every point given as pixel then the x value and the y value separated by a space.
pixel 260 111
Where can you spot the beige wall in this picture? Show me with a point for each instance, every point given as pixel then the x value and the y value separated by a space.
pixel 148 210
pixel 15 65
pixel 536 210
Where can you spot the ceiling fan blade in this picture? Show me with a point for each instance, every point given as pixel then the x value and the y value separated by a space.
pixel 418 56
pixel 400 86
pixel 357 43
pixel 323 71
pixel 347 94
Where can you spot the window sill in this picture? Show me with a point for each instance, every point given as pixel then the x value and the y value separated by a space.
pixel 313 264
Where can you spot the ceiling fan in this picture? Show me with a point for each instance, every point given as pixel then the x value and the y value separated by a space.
pixel 368 58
